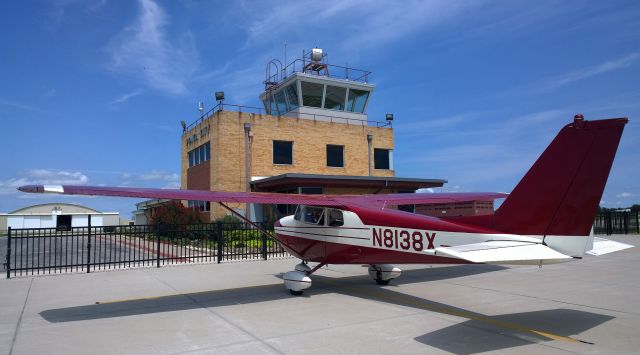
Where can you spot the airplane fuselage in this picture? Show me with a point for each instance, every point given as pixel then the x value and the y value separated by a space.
pixel 337 236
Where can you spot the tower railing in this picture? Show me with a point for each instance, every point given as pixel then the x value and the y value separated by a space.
pixel 261 111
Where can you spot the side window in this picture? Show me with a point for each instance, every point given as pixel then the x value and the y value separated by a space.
pixel 335 218
pixel 314 215
pixel 298 215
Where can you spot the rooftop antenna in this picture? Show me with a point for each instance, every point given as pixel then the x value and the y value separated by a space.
pixel 284 69
pixel 201 108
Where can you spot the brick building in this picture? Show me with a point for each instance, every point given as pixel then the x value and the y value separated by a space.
pixel 313 135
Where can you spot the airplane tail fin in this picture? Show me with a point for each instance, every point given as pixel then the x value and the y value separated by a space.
pixel 559 195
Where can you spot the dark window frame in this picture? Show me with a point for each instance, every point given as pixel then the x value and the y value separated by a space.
pixel 385 164
pixel 283 161
pixel 330 161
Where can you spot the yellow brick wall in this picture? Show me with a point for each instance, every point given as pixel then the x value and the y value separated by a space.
pixel 309 149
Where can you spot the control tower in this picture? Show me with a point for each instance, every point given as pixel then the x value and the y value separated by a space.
pixel 311 88
pixel 311 136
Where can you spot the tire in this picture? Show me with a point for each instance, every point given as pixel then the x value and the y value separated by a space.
pixel 296 293
pixel 382 282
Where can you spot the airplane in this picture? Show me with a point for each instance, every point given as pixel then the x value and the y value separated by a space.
pixel 546 219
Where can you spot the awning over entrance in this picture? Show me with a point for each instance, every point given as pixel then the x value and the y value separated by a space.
pixel 286 181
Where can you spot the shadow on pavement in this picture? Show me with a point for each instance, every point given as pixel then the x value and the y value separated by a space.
pixel 252 294
pixel 474 336
pixel 479 333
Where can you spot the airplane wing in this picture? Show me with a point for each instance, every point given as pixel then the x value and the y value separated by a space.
pixel 503 252
pixel 380 200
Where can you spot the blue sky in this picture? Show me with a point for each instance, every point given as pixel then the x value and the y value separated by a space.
pixel 92 92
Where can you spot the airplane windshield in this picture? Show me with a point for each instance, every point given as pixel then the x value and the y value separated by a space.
pixel 298 215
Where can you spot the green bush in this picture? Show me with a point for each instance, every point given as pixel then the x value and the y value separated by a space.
pixel 228 219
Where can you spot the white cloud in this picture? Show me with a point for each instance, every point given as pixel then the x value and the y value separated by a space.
pixel 43 177
pixel 625 195
pixel 50 92
pixel 158 175
pixel 366 23
pixel 553 83
pixel 125 97
pixel 144 51
pixel 172 185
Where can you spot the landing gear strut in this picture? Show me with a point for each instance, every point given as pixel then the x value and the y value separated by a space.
pixel 297 281
pixel 383 273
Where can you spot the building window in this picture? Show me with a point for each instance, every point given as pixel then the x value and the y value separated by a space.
pixel 335 155
pixel 357 100
pixel 311 190
pixel 312 94
pixel 202 206
pixel 283 152
pixel 334 98
pixel 200 154
pixel 382 158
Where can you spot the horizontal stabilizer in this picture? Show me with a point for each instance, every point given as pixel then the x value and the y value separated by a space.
pixel 603 246
pixel 504 252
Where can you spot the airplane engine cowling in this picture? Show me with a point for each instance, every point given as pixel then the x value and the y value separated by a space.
pixel 296 281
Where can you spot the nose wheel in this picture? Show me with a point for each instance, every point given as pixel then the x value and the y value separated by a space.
pixel 298 280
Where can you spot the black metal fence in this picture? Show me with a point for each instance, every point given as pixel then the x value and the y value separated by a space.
pixel 84 249
pixel 617 222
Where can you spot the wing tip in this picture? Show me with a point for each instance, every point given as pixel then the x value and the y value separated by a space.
pixel 42 188
pixel 31 188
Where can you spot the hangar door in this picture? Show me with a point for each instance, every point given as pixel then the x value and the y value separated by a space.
pixel 83 221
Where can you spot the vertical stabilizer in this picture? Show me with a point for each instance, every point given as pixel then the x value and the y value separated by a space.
pixel 559 195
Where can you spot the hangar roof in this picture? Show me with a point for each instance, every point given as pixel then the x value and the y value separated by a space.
pixel 66 208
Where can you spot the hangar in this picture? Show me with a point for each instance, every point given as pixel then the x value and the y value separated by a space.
pixel 56 215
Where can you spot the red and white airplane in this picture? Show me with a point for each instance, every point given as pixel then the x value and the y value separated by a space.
pixel 546 219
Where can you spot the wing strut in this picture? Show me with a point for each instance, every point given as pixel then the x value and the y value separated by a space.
pixel 247 220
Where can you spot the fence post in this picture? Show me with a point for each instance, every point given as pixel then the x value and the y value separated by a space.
pixel 219 240
pixel 264 246
pixel 157 245
pixel 626 222
pixel 88 244
pixel 8 253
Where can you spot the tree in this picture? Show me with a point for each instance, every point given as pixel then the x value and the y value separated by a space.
pixel 175 212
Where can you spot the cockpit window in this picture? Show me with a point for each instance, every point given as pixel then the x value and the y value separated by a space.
pixel 313 215
pixel 335 218
pixel 298 215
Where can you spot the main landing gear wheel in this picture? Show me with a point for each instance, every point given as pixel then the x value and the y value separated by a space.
pixel 383 273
